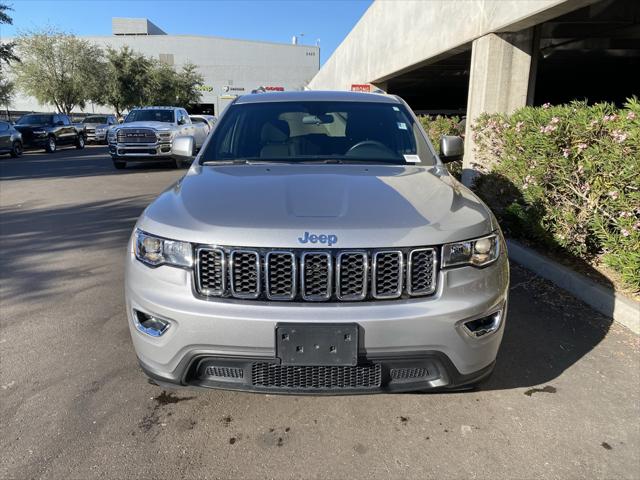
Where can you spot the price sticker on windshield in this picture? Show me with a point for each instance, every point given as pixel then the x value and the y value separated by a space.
pixel 412 158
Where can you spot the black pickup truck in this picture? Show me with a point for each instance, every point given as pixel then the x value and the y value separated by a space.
pixel 50 130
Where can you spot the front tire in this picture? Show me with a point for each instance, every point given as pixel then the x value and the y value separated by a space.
pixel 119 165
pixel 16 149
pixel 52 145
pixel 80 142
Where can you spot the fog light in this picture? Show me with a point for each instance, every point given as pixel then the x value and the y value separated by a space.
pixel 483 326
pixel 149 324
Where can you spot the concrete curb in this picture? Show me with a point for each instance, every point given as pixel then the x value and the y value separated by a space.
pixel 605 300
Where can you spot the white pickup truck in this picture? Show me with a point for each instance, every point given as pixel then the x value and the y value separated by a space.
pixel 147 135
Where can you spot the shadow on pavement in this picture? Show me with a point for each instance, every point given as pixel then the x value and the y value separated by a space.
pixel 547 330
pixel 41 248
pixel 70 163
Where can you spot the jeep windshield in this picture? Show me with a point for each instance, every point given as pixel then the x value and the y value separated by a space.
pixel 151 115
pixel 309 132
pixel 35 120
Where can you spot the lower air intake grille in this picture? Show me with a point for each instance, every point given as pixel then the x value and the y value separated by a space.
pixel 224 372
pixel 270 375
pixel 408 373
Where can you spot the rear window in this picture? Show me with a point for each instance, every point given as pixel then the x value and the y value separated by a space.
pixel 344 132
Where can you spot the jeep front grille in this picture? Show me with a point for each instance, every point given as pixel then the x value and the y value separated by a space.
pixel 315 276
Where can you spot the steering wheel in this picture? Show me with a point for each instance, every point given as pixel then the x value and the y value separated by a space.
pixel 371 143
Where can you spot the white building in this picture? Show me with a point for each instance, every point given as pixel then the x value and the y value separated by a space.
pixel 229 67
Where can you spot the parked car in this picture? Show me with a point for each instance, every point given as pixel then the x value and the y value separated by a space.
pixel 208 120
pixel 318 245
pixel 10 140
pixel 96 127
pixel 147 134
pixel 49 130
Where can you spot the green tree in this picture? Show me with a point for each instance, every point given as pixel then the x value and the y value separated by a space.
pixel 161 88
pixel 7 56
pixel 57 68
pixel 6 49
pixel 188 82
pixel 124 79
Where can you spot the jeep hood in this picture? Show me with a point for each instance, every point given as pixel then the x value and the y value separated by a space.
pixel 272 205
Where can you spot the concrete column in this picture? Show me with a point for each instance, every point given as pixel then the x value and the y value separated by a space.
pixel 498 82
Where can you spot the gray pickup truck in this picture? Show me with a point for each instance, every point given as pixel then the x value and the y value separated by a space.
pixel 317 245
pixel 147 134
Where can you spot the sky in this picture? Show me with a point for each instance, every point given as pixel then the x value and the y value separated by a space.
pixel 267 20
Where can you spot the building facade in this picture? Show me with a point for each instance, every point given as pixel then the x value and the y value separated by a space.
pixel 468 57
pixel 230 67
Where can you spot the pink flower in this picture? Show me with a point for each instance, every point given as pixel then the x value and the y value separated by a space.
pixel 619 136
pixel 631 116
pixel 610 118
pixel 519 126
pixel 565 152
pixel 625 232
pixel 554 120
pixel 582 147
pixel 546 105
pixel 614 194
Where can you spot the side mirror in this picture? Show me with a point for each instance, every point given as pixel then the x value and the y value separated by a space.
pixel 451 148
pixel 183 148
pixel 181 121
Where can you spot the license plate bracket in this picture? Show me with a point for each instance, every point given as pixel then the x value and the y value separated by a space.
pixel 327 344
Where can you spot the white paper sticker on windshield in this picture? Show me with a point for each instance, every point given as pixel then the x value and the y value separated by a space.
pixel 412 158
pixel 402 126
pixel 396 109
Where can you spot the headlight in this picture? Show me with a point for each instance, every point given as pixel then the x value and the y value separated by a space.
pixel 478 252
pixel 156 251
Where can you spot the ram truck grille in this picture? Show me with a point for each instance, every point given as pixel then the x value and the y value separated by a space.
pixel 315 276
pixel 136 135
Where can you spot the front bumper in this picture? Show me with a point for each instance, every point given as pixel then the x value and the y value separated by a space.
pixel 237 338
pixel 140 151
pixel 35 142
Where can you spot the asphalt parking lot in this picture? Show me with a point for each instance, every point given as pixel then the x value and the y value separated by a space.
pixel 564 400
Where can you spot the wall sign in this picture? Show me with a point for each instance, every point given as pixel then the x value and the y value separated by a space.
pixel 360 87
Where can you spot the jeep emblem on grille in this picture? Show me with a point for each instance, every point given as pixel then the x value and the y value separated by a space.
pixel 322 238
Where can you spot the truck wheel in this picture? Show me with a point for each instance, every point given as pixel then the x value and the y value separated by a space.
pixel 80 142
pixel 51 145
pixel 119 165
pixel 16 149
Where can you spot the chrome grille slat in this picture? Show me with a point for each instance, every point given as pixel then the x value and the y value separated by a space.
pixel 352 270
pixel 280 275
pixel 315 275
pixel 212 277
pixel 421 272
pixel 387 273
pixel 245 273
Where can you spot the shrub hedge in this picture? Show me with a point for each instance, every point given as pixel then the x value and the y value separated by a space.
pixel 436 126
pixel 567 177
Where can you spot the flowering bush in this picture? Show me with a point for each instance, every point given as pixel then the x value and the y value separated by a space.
pixel 567 177
pixel 438 126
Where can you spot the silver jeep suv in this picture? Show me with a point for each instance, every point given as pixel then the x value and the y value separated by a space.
pixel 317 245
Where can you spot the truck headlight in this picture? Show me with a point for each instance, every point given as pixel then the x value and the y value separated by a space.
pixel 478 252
pixel 155 251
